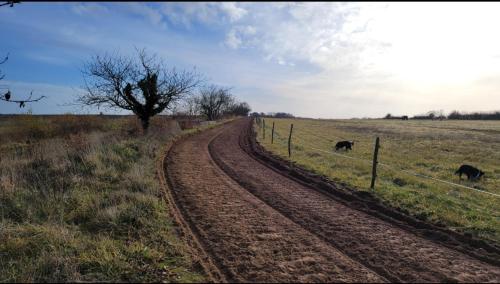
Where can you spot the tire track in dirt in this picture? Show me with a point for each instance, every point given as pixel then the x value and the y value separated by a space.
pixel 247 239
pixel 198 254
pixel 385 248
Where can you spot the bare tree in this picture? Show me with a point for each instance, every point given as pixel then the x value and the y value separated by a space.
pixel 190 106
pixel 239 108
pixel 10 3
pixel 7 97
pixel 213 101
pixel 144 86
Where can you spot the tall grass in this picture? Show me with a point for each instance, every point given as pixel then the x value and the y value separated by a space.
pixel 79 201
pixel 432 148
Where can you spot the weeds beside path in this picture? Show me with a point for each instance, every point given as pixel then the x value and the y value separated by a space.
pixel 85 204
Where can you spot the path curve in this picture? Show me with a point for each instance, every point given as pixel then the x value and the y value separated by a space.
pixel 260 226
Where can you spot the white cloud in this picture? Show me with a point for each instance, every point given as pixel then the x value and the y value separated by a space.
pixel 232 10
pixel 54 60
pixel 89 8
pixel 320 33
pixel 232 39
pixel 239 34
pixel 152 15
pixel 205 13
pixel 141 9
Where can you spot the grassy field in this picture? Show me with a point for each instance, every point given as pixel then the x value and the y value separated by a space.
pixel 432 148
pixel 80 201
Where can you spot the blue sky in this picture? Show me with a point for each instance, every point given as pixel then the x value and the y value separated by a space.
pixel 325 60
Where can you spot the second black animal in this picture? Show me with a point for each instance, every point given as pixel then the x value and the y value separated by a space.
pixel 344 144
pixel 471 172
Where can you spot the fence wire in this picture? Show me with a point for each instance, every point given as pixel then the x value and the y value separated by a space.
pixel 379 163
pixel 436 179
pixel 332 153
pixel 321 137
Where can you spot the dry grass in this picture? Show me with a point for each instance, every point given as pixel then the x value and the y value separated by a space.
pixel 432 148
pixel 79 201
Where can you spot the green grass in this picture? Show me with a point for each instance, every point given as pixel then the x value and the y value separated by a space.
pixel 80 201
pixel 432 148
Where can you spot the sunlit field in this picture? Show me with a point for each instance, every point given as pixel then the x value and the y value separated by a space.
pixel 431 148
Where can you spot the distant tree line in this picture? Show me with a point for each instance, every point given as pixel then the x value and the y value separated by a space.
pixel 273 114
pixel 389 116
pixel 439 114
pixel 495 115
pixel 433 114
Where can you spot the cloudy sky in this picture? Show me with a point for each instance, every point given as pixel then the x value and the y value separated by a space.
pixel 323 60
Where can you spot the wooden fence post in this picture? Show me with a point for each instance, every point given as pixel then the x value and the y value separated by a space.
pixel 290 141
pixel 263 129
pixel 272 134
pixel 374 167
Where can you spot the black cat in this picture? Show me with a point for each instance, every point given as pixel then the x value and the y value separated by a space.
pixel 471 172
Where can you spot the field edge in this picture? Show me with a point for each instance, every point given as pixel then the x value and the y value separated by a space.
pixel 484 250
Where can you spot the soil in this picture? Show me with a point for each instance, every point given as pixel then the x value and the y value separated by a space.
pixel 259 219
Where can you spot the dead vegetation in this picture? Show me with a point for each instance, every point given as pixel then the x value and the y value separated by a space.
pixel 79 201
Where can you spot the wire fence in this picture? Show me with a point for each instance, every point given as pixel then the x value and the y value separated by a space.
pixel 322 137
pixel 330 152
pixel 303 143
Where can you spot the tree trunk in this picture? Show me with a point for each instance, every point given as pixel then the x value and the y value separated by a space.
pixel 145 124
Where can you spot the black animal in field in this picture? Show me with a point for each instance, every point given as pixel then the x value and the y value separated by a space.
pixel 404 117
pixel 344 144
pixel 471 172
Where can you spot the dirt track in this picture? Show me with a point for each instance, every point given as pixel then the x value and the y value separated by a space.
pixel 258 225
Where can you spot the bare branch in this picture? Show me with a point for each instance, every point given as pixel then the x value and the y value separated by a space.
pixel 144 86
pixel 22 103
pixel 7 96
pixel 2 62
pixel 5 59
pixel 11 3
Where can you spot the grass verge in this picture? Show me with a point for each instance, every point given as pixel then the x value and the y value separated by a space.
pixel 80 201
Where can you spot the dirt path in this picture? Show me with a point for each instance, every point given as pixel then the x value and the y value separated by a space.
pixel 258 225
